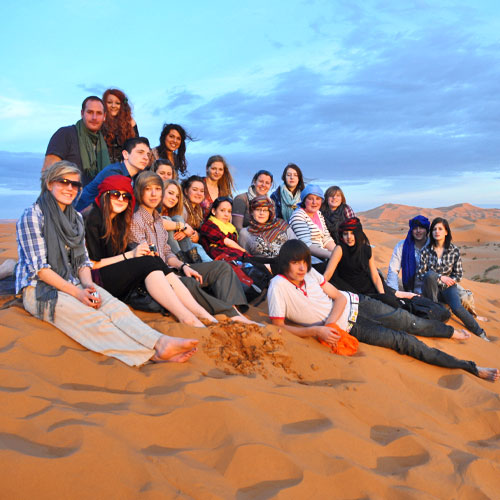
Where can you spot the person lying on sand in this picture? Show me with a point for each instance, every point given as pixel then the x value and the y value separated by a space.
pixel 54 276
pixel 301 295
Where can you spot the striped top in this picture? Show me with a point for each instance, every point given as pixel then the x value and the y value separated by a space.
pixel 307 231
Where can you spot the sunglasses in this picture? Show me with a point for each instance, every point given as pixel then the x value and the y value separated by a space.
pixel 116 195
pixel 66 182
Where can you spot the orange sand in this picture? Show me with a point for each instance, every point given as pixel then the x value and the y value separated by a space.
pixel 302 423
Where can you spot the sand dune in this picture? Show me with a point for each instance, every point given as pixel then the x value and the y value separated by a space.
pixel 255 414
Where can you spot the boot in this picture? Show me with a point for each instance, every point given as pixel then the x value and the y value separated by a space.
pixel 193 256
pixel 182 256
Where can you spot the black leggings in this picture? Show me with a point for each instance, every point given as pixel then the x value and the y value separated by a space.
pixel 120 278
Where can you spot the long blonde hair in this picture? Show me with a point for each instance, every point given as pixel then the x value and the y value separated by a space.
pixel 177 209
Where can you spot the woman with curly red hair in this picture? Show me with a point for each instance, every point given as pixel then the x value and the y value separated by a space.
pixel 119 125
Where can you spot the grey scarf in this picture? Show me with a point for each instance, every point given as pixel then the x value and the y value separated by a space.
pixel 64 237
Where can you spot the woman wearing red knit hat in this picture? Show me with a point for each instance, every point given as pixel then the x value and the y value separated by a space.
pixel 119 269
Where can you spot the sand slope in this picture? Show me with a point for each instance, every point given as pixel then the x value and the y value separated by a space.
pixel 302 423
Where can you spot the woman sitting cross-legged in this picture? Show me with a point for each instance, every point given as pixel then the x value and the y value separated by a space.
pixel 120 270
pixel 54 275
pixel 441 270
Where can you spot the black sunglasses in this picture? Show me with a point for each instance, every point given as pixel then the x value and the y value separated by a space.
pixel 66 182
pixel 116 195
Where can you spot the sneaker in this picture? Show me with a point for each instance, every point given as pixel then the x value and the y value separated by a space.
pixel 484 337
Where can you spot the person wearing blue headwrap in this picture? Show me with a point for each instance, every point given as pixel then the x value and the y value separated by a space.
pixel 406 256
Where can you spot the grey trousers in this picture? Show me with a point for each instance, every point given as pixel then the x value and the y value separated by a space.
pixel 221 288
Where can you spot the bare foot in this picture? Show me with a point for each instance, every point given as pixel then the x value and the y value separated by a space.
pixel 208 317
pixel 492 374
pixel 461 335
pixel 174 349
pixel 191 321
pixel 243 319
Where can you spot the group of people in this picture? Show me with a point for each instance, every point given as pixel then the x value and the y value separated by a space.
pixel 115 216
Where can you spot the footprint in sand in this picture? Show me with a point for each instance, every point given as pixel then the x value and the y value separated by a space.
pixel 32 448
pixel 400 465
pixel 461 460
pixel 453 382
pixel 70 421
pixel 266 489
pixel 492 442
pixel 307 426
pixel 162 451
pixel 384 434
pixel 330 382
pixel 95 388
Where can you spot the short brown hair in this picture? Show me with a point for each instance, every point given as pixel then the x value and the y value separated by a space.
pixel 145 179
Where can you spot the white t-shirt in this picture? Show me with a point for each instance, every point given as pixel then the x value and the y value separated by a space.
pixel 309 305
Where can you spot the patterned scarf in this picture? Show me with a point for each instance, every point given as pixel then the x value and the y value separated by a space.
pixel 271 229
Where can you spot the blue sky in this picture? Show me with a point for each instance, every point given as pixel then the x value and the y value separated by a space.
pixel 395 101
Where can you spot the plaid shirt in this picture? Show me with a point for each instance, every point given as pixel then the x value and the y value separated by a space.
pixel 449 265
pixel 349 212
pixel 32 250
pixel 212 239
pixel 149 228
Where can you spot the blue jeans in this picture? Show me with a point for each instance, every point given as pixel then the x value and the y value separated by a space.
pixel 183 245
pixel 449 295
pixel 382 325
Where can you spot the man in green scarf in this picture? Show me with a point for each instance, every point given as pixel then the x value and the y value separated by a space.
pixel 82 143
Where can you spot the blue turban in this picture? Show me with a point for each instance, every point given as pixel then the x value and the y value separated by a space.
pixel 408 264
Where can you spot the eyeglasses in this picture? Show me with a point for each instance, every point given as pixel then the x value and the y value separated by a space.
pixel 116 195
pixel 262 210
pixel 66 182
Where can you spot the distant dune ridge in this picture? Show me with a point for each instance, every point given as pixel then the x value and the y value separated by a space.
pixel 256 413
pixel 398 213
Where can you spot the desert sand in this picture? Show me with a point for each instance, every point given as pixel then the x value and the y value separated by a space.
pixel 256 413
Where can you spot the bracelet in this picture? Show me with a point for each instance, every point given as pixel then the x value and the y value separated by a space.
pixel 124 256
pixel 182 267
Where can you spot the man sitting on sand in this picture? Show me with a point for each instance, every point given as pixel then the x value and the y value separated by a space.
pixel 135 160
pixel 301 295
pixel 406 256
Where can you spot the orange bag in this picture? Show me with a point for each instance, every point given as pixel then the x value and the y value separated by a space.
pixel 347 344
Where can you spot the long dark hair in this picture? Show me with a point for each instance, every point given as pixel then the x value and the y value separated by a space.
pixel 116 229
pixel 361 242
pixel 217 202
pixel 447 239
pixel 180 158
pixel 300 186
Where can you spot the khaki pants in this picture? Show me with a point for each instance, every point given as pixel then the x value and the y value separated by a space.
pixel 112 330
